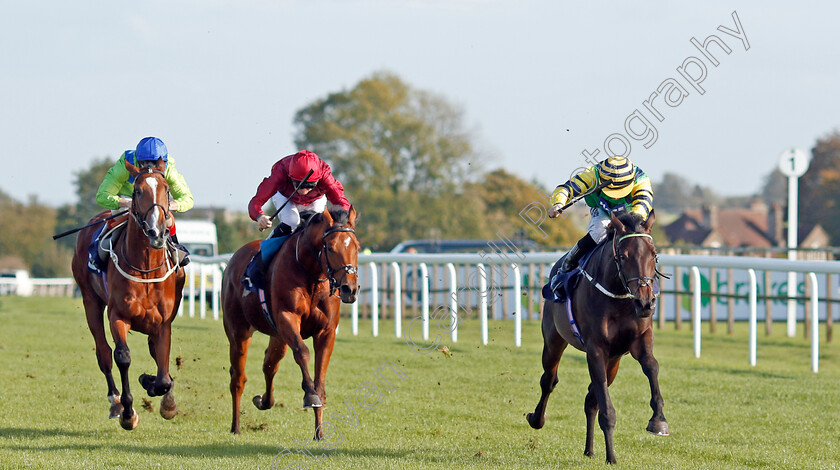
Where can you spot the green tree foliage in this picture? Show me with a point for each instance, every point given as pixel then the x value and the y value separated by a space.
pixel 384 134
pixel 819 187
pixel 676 193
pixel 408 164
pixel 232 235
pixel 87 182
pixel 27 233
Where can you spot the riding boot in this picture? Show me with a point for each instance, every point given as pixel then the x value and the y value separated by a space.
pixel 179 251
pixel 583 246
pixel 281 230
pixel 254 277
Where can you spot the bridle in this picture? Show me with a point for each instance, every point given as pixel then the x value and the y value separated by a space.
pixel 643 281
pixel 345 269
pixel 141 221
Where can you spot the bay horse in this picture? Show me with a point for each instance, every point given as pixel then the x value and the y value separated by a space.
pixel 141 288
pixel 610 315
pixel 301 281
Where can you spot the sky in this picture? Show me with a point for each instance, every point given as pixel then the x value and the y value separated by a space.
pixel 540 82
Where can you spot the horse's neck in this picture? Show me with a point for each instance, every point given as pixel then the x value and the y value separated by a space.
pixel 308 254
pixel 607 273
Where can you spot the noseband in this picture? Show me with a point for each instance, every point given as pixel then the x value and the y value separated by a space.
pixel 642 281
pixel 345 270
pixel 141 221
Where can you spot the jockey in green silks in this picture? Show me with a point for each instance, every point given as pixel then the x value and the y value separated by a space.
pixel 116 189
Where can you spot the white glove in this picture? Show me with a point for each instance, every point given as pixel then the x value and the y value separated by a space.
pixel 173 205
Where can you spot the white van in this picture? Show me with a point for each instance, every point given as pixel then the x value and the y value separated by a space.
pixel 199 236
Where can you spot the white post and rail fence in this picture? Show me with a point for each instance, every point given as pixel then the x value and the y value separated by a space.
pixel 442 289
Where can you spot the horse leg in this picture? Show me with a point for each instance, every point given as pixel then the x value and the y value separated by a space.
pixel 642 351
pixel 273 354
pixel 240 339
pixel 289 327
pixel 162 384
pixel 553 347
pixel 590 408
pixel 122 356
pixel 599 371
pixel 323 343
pixel 94 312
pixel 159 346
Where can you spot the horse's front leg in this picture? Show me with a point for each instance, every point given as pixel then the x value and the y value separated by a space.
pixel 289 326
pixel 273 355
pixel 323 343
pixel 590 407
pixel 642 351
pixel 122 356
pixel 553 347
pixel 599 374
pixel 159 345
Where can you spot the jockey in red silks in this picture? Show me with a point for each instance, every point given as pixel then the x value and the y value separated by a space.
pixel 312 197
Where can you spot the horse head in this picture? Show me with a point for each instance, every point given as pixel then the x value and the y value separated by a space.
pixel 150 202
pixel 339 254
pixel 635 259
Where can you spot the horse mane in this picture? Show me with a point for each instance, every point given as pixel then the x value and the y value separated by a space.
pixel 633 223
pixel 340 216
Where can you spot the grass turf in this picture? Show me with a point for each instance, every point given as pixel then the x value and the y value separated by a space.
pixel 462 411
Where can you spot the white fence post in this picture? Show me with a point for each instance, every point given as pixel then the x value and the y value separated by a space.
pixel 397 300
pixel 517 302
pixel 191 283
pixel 354 316
pixel 453 301
pixel 202 290
pixel 815 324
pixel 424 289
pixel 753 316
pixel 695 275
pixel 482 302
pixel 374 296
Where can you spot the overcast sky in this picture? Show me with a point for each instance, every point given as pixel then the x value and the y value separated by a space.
pixel 540 81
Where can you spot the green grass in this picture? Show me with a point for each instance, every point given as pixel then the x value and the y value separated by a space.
pixel 465 411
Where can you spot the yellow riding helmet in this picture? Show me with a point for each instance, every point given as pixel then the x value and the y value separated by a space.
pixel 620 172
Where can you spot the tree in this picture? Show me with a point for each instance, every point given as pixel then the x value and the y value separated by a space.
pixel 818 187
pixel 774 189
pixel 385 134
pixel 30 237
pixel 403 156
pixel 87 182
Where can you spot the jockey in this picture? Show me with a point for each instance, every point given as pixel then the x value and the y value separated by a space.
pixel 286 175
pixel 115 190
pixel 628 189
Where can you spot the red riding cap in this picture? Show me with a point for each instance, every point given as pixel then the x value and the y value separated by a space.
pixel 302 162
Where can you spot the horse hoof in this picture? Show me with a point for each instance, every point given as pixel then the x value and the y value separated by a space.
pixel 659 428
pixel 535 422
pixel 148 383
pixel 258 402
pixel 116 408
pixel 312 401
pixel 131 423
pixel 168 409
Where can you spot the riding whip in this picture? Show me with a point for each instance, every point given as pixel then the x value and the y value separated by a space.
pixel 72 231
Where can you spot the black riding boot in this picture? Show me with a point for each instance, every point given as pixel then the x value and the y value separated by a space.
pixel 184 253
pixel 583 246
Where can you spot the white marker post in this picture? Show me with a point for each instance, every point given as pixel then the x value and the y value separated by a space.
pixel 793 163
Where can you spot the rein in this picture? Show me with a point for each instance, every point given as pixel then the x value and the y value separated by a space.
pixel 642 281
pixel 346 269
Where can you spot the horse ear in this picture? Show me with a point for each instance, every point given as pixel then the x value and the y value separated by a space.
pixel 649 222
pixel 615 223
pixel 160 165
pixel 351 219
pixel 132 170
pixel 328 217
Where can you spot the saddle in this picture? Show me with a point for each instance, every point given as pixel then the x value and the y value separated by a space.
pixel 98 251
pixel 560 285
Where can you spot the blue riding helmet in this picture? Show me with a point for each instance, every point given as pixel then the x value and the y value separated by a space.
pixel 151 148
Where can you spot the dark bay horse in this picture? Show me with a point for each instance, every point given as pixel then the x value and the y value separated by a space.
pixel 302 279
pixel 612 307
pixel 141 288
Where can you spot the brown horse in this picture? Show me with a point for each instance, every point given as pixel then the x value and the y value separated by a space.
pixel 141 288
pixel 301 281
pixel 612 315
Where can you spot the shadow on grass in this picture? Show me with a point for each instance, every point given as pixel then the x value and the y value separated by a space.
pixel 275 456
pixel 745 372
